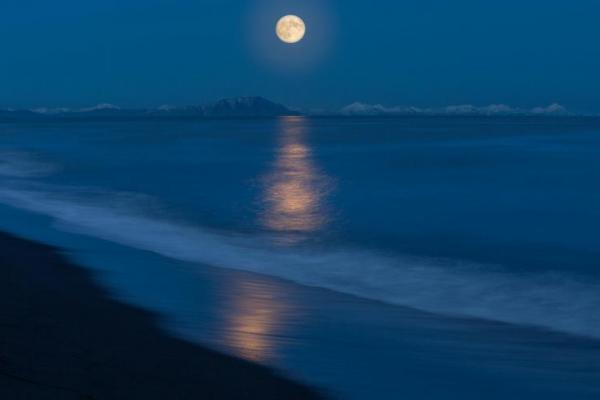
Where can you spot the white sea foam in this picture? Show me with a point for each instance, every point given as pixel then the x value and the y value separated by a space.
pixel 554 302
pixel 23 165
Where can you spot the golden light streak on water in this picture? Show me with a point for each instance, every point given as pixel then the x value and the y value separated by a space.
pixel 256 320
pixel 295 188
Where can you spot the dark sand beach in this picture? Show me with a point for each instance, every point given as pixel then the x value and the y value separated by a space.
pixel 61 337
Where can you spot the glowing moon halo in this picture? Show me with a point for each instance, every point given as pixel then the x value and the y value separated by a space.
pixel 290 29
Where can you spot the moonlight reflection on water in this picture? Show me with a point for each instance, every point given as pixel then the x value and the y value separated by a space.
pixel 295 189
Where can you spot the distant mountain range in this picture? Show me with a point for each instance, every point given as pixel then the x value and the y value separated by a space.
pixel 231 107
pixel 362 109
pixel 260 107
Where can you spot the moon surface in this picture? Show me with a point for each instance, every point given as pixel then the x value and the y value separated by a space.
pixel 290 29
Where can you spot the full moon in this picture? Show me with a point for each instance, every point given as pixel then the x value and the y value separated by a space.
pixel 290 29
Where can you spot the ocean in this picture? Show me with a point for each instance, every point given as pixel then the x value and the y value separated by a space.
pixel 380 258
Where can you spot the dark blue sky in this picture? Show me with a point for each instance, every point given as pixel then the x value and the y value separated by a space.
pixel 396 52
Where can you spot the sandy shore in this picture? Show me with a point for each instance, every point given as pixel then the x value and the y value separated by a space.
pixel 61 337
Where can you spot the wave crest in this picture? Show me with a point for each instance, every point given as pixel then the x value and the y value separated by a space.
pixel 556 302
pixel 23 165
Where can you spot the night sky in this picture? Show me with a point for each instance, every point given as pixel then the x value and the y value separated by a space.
pixel 425 53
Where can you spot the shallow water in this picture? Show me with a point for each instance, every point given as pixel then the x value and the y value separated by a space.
pixel 471 223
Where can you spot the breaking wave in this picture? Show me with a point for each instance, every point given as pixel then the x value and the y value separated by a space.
pixel 23 165
pixel 556 302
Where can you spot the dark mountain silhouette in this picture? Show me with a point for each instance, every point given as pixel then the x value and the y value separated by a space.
pixel 232 107
pixel 246 106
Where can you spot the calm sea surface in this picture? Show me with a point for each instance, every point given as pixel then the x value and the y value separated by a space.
pixel 376 258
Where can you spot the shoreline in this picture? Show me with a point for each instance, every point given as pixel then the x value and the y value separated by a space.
pixel 63 337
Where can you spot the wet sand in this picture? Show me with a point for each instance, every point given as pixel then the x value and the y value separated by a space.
pixel 62 337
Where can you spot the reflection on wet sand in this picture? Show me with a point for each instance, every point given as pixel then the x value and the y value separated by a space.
pixel 295 188
pixel 256 320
